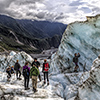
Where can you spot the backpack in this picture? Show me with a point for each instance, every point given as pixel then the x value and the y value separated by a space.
pixel 74 59
pixel 25 72
pixel 8 69
pixel 46 67
pixel 12 71
pixel 15 67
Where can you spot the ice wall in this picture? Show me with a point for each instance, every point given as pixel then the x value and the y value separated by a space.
pixel 79 37
pixel 10 60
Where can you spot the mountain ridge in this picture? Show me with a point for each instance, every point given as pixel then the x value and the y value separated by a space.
pixel 21 33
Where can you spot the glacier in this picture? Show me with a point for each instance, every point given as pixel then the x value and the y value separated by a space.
pixel 79 37
pixel 84 38
pixel 65 84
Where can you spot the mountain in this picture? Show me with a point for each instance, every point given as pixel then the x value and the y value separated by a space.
pixel 42 29
pixel 37 35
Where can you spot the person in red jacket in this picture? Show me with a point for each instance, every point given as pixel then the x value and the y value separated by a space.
pixel 45 71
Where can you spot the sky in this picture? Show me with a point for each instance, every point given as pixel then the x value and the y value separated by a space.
pixel 64 11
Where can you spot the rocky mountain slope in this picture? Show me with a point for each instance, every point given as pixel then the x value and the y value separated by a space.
pixel 34 34
pixel 42 29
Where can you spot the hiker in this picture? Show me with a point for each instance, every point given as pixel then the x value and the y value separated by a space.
pixel 37 64
pixel 17 69
pixel 33 74
pixel 45 70
pixel 75 60
pixel 9 71
pixel 26 74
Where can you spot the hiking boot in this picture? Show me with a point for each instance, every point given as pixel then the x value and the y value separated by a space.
pixel 48 83
pixel 25 88
pixel 44 82
pixel 19 78
pixel 8 80
pixel 35 90
pixel 28 88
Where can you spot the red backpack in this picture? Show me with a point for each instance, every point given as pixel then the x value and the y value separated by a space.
pixel 46 67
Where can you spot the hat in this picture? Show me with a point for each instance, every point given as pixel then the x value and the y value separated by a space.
pixel 45 60
pixel 12 66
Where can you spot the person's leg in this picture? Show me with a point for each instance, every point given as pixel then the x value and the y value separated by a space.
pixel 19 73
pixel 76 67
pixel 25 82
pixel 16 74
pixel 35 83
pixel 9 74
pixel 28 82
pixel 44 78
pixel 47 78
pixel 39 77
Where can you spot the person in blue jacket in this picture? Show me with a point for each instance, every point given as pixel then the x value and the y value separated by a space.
pixel 9 71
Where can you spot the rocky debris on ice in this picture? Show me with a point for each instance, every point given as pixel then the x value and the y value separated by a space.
pixel 79 37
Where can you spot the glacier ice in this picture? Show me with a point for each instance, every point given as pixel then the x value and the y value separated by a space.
pixel 14 90
pixel 84 38
pixel 79 37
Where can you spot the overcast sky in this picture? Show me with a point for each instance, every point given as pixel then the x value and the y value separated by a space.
pixel 64 11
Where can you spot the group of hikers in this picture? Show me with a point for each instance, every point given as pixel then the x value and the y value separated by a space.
pixel 33 73
pixel 28 73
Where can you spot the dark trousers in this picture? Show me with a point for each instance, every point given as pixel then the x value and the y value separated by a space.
pixel 76 67
pixel 39 77
pixel 26 81
pixel 18 72
pixel 46 76
pixel 9 74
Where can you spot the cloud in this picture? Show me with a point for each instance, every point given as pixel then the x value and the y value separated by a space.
pixel 64 11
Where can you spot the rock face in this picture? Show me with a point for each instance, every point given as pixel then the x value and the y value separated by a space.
pixel 79 37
